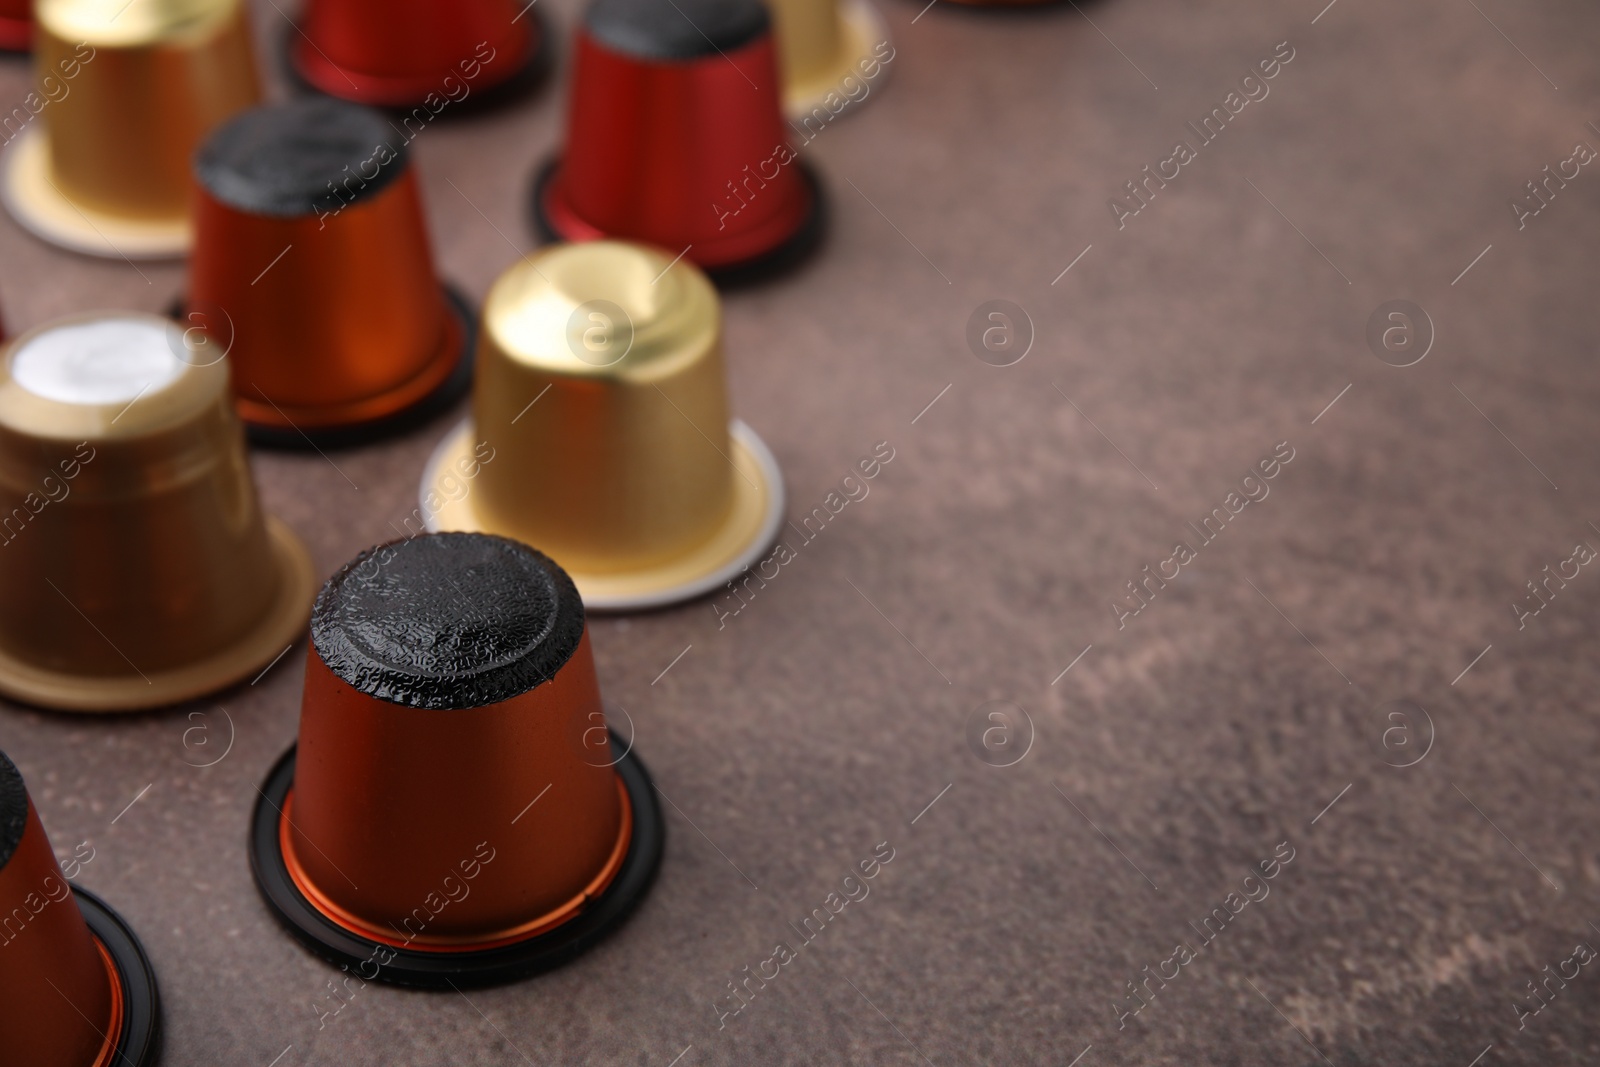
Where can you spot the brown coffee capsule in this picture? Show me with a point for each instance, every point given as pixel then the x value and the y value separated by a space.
pixel 312 266
pixel 455 810
pixel 129 88
pixel 136 566
pixel 76 989
pixel 601 430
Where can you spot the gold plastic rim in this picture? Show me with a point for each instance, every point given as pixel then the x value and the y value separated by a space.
pixel 38 204
pixel 862 29
pixel 750 529
pixel 279 628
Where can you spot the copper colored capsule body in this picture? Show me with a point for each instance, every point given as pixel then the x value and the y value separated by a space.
pixel 630 471
pixel 312 267
pixel 676 138
pixel 43 942
pixel 453 801
pixel 71 995
pixel 358 755
pixel 404 53
pixel 136 566
pixel 131 89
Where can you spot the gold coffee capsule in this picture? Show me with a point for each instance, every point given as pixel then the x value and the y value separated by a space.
pixel 128 89
pixel 832 54
pixel 136 566
pixel 600 430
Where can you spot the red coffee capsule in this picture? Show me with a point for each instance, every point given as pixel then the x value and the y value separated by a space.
pixel 456 811
pixel 16 25
pixel 76 989
pixel 427 54
pixel 312 270
pixel 675 137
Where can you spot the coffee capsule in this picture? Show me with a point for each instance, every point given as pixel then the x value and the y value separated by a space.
pixel 16 25
pixel 831 53
pixel 136 566
pixel 312 270
pixel 676 137
pixel 427 55
pixel 132 87
pixel 76 989
pixel 455 811
pixel 600 430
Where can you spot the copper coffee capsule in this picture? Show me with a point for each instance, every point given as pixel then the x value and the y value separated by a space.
pixel 601 430
pixel 76 989
pixel 132 87
pixel 831 53
pixel 676 137
pixel 455 811
pixel 16 25
pixel 427 55
pixel 312 268
pixel 136 566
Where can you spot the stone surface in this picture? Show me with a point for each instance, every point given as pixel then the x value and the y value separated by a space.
pixel 1222 720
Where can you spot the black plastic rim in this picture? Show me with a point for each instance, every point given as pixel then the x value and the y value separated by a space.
pixel 444 970
pixel 535 69
pixel 780 260
pixel 418 414
pixel 139 1044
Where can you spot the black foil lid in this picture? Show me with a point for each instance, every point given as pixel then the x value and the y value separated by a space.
pixel 676 29
pixel 13 809
pixel 452 620
pixel 304 157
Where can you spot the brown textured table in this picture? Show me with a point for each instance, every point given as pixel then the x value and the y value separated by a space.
pixel 1222 720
